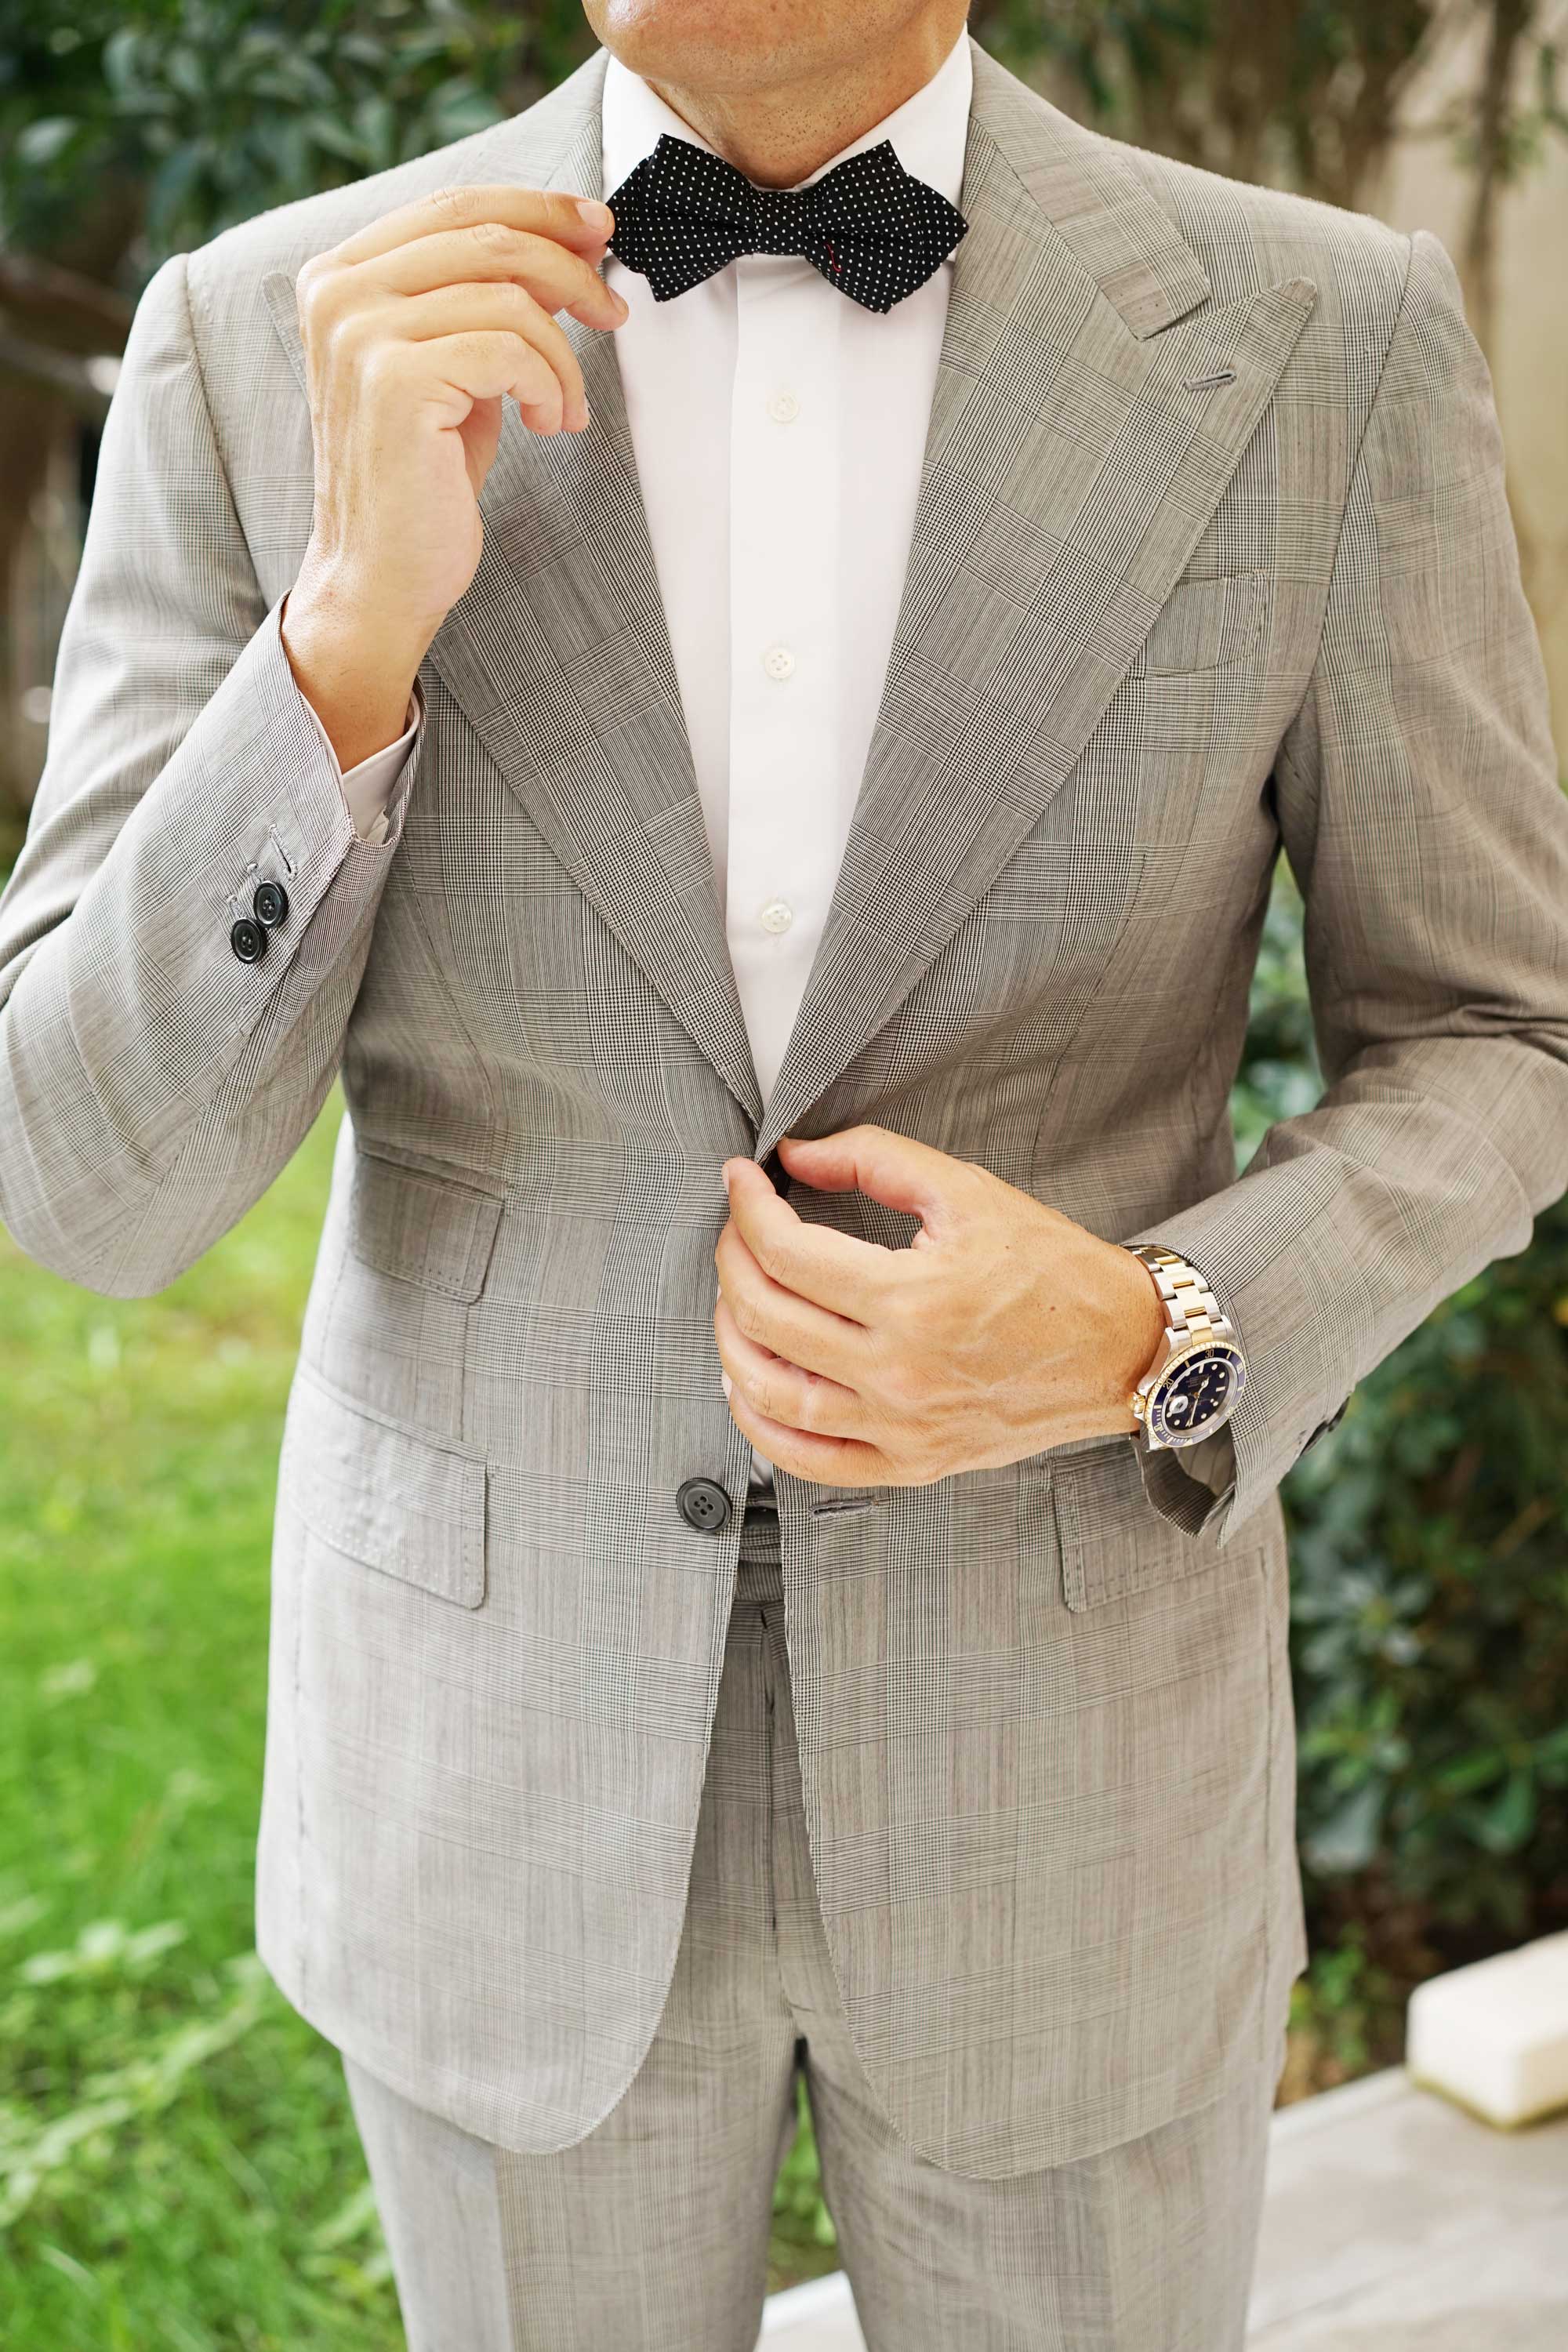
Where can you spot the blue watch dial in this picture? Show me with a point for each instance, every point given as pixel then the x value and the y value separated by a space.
pixel 1197 1393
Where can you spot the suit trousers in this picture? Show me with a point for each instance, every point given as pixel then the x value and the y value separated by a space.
pixel 652 2233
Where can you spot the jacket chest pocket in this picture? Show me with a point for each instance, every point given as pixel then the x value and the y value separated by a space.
pixel 1205 624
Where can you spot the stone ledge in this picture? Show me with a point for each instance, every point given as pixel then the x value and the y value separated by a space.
pixel 1394 2221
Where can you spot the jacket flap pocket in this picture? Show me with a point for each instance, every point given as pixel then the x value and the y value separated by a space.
pixel 435 1230
pixel 1112 1540
pixel 387 1496
pixel 1205 624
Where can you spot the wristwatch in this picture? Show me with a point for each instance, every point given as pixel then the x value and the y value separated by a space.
pixel 1192 1387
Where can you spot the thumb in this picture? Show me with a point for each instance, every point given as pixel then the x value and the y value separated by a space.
pixel 892 1169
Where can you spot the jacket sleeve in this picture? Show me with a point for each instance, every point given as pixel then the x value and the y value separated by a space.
pixel 1420 809
pixel 151 1082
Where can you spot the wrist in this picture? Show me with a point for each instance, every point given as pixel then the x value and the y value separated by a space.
pixel 1148 1324
pixel 1134 1341
pixel 356 670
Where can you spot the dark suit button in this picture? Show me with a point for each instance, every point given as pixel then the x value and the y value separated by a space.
pixel 776 1172
pixel 702 1504
pixel 249 941
pixel 270 905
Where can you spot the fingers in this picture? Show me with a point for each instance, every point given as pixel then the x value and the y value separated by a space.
pixel 774 1316
pixel 503 308
pixel 780 1389
pixel 840 1271
pixel 482 273
pixel 482 366
pixel 559 279
pixel 545 212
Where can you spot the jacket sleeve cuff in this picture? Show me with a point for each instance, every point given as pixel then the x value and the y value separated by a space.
pixel 1296 1388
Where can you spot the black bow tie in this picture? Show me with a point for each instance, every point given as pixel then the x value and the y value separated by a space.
pixel 868 225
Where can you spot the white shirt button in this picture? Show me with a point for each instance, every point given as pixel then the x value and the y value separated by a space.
pixel 779 662
pixel 783 408
pixel 777 915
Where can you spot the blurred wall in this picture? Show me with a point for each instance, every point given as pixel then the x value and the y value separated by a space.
pixel 1424 188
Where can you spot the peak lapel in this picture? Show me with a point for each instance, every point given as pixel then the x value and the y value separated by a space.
pixel 559 655
pixel 1078 314
pixel 557 651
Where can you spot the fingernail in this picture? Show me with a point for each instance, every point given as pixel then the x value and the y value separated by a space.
pixel 597 216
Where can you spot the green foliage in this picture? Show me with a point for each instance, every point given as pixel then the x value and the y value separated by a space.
pixel 1346 2016
pixel 207 111
pixel 804 2240
pixel 178 2162
pixel 1099 47
pixel 1306 94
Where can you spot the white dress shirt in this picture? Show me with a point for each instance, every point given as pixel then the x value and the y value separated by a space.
pixel 779 430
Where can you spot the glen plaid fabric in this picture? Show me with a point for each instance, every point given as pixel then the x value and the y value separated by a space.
pixel 1212 556
pixel 652 2231
pixel 871 228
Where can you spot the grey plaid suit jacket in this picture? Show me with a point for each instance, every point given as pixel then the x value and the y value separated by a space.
pixel 1211 554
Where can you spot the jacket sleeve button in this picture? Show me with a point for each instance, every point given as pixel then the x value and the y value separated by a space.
pixel 249 941
pixel 270 905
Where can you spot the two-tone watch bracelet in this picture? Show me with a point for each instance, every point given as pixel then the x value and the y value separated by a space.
pixel 1191 1310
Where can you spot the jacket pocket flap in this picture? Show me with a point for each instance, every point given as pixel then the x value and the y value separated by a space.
pixel 1112 1540
pixel 387 1496
pixel 435 1230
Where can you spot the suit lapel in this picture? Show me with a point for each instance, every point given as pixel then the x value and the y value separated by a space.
pixel 1069 471
pixel 557 651
pixel 559 655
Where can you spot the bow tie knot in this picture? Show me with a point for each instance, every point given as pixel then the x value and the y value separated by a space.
pixel 867 226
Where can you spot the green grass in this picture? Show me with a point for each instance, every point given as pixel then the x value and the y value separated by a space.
pixel 178 2163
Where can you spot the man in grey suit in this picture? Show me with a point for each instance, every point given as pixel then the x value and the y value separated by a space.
pixel 840 1630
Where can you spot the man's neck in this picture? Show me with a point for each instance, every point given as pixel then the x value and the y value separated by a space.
pixel 779 134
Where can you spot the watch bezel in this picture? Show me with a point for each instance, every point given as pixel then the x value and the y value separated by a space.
pixel 1178 1361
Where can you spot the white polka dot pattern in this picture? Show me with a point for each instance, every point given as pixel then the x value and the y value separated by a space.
pixel 868 225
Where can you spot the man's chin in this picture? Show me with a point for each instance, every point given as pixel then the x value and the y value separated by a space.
pixel 715 45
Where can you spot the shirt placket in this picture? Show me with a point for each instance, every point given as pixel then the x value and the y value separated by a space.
pixel 784 638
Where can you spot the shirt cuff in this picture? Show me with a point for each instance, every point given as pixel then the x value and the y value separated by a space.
pixel 369 786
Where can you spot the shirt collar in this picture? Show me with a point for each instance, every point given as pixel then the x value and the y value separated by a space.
pixel 929 131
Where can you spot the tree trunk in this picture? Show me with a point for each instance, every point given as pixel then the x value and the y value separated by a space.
pixel 29 420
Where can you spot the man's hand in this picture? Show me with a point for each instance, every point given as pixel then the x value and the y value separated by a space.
pixel 415 330
pixel 1003 1328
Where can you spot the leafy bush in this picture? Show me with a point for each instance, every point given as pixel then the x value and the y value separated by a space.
pixel 202 113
